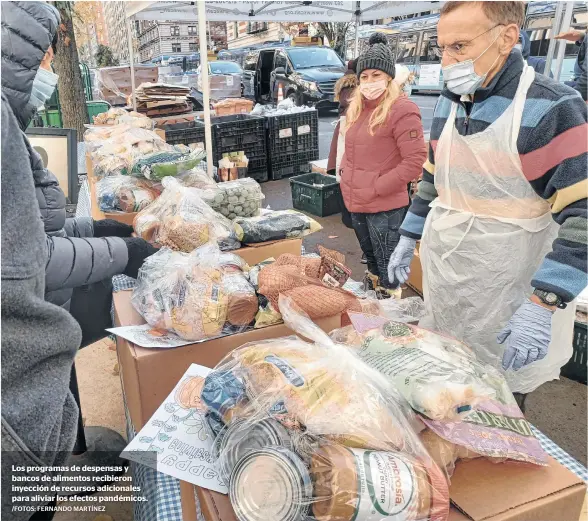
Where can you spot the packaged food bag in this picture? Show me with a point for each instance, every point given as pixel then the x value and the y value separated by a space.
pixel 274 226
pixel 160 164
pixel 182 221
pixel 321 435
pixel 125 194
pixel 196 178
pixel 197 296
pixel 437 375
pixel 462 401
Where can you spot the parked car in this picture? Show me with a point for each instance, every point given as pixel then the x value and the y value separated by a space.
pixel 307 75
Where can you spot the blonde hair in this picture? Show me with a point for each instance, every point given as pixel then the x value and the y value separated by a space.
pixel 380 114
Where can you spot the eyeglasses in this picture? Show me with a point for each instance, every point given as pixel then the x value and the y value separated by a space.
pixel 458 49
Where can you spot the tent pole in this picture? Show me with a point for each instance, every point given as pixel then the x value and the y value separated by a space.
pixel 356 49
pixel 205 84
pixel 132 63
pixel 566 24
pixel 555 29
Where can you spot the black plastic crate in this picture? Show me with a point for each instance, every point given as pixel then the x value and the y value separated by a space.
pixel 576 368
pixel 257 169
pixel 238 132
pixel 292 164
pixel 291 133
pixel 185 133
pixel 318 194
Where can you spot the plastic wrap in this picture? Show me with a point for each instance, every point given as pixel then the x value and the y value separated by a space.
pixel 181 220
pixel 239 198
pixel 196 178
pixel 126 194
pixel 160 164
pixel 200 295
pixel 461 400
pixel 437 375
pixel 116 116
pixel 306 429
pixel 275 226
pixel 410 309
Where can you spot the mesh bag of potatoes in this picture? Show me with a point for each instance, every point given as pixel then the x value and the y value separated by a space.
pixel 322 436
pixel 197 296
pixel 180 220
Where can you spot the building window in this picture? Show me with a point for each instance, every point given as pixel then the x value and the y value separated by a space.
pixel 192 30
pixel 256 27
pixel 175 30
pixel 193 46
pixel 176 47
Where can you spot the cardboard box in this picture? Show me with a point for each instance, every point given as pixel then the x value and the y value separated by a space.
pixel 114 83
pixel 480 491
pixel 149 375
pixel 256 253
pixel 415 279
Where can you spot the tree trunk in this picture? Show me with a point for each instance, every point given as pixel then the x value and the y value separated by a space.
pixel 67 65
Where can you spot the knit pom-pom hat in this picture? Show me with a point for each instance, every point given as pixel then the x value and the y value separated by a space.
pixel 378 56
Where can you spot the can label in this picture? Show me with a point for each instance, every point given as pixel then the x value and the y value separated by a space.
pixel 387 486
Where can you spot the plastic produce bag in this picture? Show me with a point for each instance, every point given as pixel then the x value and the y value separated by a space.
pixel 437 375
pixel 197 296
pixel 157 165
pixel 239 198
pixel 307 429
pixel 181 220
pixel 196 178
pixel 275 226
pixel 410 309
pixel 125 194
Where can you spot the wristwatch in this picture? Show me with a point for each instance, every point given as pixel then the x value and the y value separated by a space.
pixel 551 299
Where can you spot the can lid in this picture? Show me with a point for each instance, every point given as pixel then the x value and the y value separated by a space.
pixel 243 436
pixel 271 483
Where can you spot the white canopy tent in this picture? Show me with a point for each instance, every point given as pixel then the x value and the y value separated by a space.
pixel 295 11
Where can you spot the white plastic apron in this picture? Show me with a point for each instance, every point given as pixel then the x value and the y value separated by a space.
pixel 484 238
pixel 340 146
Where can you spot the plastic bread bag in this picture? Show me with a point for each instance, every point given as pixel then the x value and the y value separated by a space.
pixel 239 198
pixel 157 165
pixel 437 375
pixel 307 429
pixel 193 294
pixel 116 116
pixel 196 178
pixel 125 194
pixel 182 221
pixel 275 226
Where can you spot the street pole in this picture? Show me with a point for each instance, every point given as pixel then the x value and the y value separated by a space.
pixel 555 29
pixel 132 60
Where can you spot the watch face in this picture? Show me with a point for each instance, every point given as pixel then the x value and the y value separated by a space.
pixel 551 298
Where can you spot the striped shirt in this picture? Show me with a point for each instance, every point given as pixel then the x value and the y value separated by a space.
pixel 553 148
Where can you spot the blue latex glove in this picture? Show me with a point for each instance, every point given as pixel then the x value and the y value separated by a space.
pixel 399 263
pixel 528 333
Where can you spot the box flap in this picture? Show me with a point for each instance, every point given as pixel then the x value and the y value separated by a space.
pixel 124 310
pixel 511 484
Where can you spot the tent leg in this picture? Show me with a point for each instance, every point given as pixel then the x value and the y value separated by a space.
pixel 132 63
pixel 205 84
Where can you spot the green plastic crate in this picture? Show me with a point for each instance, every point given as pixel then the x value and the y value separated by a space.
pixel 96 107
pixel 317 194
pixel 576 368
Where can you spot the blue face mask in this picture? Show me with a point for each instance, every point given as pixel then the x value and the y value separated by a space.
pixel 43 87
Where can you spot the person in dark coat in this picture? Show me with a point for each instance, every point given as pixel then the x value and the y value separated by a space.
pixel 537 62
pixel 580 81
pixel 84 253
pixel 39 339
pixel 344 89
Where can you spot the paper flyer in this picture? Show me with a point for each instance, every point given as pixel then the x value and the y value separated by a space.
pixel 146 336
pixel 177 433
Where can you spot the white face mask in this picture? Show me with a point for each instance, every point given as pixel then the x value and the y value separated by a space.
pixel 461 77
pixel 43 87
pixel 374 89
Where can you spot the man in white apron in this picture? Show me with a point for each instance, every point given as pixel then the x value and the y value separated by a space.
pixel 502 206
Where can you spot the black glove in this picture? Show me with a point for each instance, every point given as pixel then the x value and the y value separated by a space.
pixel 332 171
pixel 139 250
pixel 111 228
